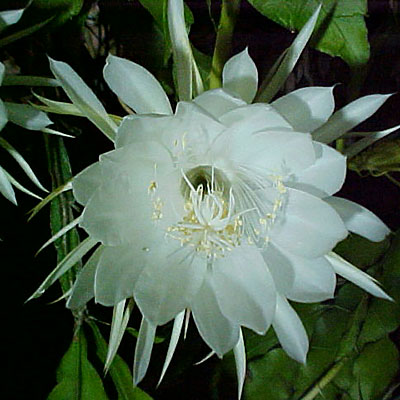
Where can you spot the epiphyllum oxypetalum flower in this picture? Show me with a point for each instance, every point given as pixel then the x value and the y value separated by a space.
pixel 223 208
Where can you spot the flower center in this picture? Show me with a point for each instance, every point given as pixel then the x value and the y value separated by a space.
pixel 209 225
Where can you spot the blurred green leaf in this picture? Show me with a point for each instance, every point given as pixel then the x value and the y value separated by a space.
pixel 343 31
pixel 271 377
pixel 76 377
pixel 119 370
pixel 384 316
pixel 375 368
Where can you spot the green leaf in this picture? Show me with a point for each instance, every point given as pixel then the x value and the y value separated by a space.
pixel 25 80
pixel 119 370
pixel 384 316
pixel 343 31
pixel 271 377
pixel 375 367
pixel 76 377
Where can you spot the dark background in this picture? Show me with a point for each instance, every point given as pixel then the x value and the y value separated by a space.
pixel 37 334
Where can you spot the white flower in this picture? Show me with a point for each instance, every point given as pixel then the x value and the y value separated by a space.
pixel 223 208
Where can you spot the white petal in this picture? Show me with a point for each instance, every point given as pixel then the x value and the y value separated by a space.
pixel 282 69
pixel 83 289
pixel 239 352
pixel 314 279
pixel 5 187
pixel 290 330
pixel 355 275
pixel 244 288
pixel 144 346
pixel 87 182
pixel 308 108
pixel 280 268
pixel 358 219
pixel 254 118
pixel 217 331
pixel 168 284
pixel 325 177
pixel 118 271
pixel 348 117
pixel 275 152
pixel 83 97
pixel 136 86
pixel 176 332
pixel 27 116
pixel 3 115
pixel 240 76
pixel 307 226
pixel 122 209
pixel 217 102
pixel 10 17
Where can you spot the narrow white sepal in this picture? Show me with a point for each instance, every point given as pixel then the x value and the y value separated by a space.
pixel 290 330
pixel 240 76
pixel 27 116
pixel 83 97
pixel 144 346
pixel 176 332
pixel 239 352
pixel 3 115
pixel 183 57
pixel 6 188
pixel 358 219
pixel 119 323
pixel 273 82
pixel 348 117
pixel 207 357
pixel 10 17
pixel 355 275
pixel 370 138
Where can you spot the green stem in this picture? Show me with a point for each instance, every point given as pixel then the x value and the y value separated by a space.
pixel 327 378
pixel 223 44
pixel 60 207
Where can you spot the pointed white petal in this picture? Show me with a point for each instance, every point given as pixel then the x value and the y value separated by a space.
pixel 308 108
pixel 216 330
pixel 10 17
pixel 3 115
pixel 83 289
pixel 370 138
pixel 240 76
pixel 239 352
pixel 176 332
pixel 305 213
pixel 358 219
pixel 168 284
pixel 144 346
pixel 244 288
pixel 136 86
pixel 217 102
pixel 348 117
pixel 314 279
pixel 117 273
pixel 86 183
pixel 290 330
pixel 83 97
pixel 5 187
pixel 27 116
pixel 254 118
pixel 272 84
pixel 325 177
pixel 355 275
